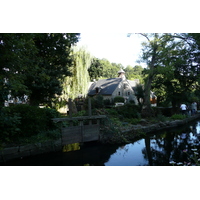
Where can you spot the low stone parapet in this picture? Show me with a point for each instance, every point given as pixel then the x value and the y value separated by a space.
pixel 149 128
pixel 10 153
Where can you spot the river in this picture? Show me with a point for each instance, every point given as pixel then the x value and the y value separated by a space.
pixel 178 146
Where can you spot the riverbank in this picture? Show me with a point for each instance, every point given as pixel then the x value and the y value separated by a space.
pixel 22 151
pixel 148 128
pixel 129 132
pixel 125 134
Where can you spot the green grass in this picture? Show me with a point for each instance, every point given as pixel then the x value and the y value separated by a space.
pixel 178 117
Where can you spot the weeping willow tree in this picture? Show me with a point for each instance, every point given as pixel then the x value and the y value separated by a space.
pixel 77 84
pixel 80 79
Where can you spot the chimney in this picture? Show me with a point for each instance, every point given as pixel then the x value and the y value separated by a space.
pixel 121 74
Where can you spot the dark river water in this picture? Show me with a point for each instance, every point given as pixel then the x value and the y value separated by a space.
pixel 178 146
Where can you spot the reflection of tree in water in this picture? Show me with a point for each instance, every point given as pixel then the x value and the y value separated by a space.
pixel 90 153
pixel 158 149
pixel 124 148
pixel 162 148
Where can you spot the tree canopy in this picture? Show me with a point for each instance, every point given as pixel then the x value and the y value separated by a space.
pixel 77 83
pixel 134 72
pixel 173 66
pixel 96 69
pixel 44 66
pixel 34 64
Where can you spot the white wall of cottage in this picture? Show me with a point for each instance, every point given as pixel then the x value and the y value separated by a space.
pixel 124 91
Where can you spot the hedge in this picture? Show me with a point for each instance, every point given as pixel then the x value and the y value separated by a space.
pixel 23 121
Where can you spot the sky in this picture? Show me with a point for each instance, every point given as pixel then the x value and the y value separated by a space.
pixel 115 47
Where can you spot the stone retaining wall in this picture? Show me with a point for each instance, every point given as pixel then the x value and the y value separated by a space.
pixel 161 125
pixel 11 153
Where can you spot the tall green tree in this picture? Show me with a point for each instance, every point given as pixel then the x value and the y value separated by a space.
pixel 53 62
pixel 96 69
pixel 17 57
pixel 150 56
pixel 115 68
pixel 172 67
pixel 178 71
pixel 110 69
pixel 35 64
pixel 134 73
pixel 77 83
pixel 129 72
pixel 195 38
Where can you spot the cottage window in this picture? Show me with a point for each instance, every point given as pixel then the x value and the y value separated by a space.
pixel 128 93
pixel 119 93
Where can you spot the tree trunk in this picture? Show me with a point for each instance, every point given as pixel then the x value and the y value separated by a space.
pixel 147 111
pixel 33 100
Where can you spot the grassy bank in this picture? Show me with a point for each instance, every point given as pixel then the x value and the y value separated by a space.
pixel 24 124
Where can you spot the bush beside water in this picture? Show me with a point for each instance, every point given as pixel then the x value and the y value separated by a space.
pixel 29 124
pixel 22 123
pixel 178 117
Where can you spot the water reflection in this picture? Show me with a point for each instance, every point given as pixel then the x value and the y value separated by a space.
pixel 161 149
pixel 173 146
pixel 71 147
pixel 178 146
pixel 129 155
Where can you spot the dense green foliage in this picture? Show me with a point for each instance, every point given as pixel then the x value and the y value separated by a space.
pixel 96 102
pixel 22 122
pixel 177 74
pixel 109 69
pixel 16 51
pixel 119 99
pixel 34 64
pixel 102 69
pixel 9 125
pixel 128 111
pixel 47 69
pixel 178 117
pixel 96 69
pixel 172 67
pixel 76 84
pixel 134 73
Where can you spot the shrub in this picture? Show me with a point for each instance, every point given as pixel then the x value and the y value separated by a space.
pixel 112 111
pixel 128 111
pixel 9 125
pixel 107 102
pixel 119 99
pixel 80 113
pixel 161 118
pixel 116 121
pixel 132 102
pixel 178 116
pixel 99 103
pixel 24 121
pixel 96 102
pixel 166 111
pixel 133 121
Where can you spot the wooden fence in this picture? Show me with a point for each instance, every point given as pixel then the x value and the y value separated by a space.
pixel 81 132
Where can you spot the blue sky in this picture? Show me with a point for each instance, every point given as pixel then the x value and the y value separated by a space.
pixel 115 47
